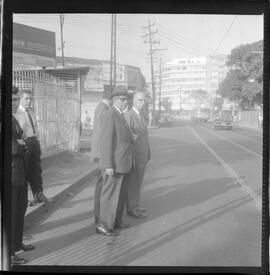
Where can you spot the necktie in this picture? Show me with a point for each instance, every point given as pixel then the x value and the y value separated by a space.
pixel 31 121
pixel 141 119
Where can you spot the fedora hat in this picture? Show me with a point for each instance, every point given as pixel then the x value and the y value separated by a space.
pixel 120 90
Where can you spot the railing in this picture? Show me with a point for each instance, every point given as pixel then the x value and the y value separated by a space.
pixel 57 107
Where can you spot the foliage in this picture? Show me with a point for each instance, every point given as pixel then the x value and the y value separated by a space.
pixel 244 81
pixel 199 96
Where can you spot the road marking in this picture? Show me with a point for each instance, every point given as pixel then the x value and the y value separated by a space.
pixel 235 144
pixel 230 171
pixel 253 140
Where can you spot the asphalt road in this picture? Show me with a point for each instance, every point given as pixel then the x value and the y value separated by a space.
pixel 202 192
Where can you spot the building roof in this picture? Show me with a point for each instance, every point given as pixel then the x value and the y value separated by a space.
pixel 69 70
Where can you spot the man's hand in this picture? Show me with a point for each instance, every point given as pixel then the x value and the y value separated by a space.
pixel 21 142
pixel 109 171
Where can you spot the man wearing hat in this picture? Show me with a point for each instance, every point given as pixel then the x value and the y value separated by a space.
pixel 116 162
pixel 101 108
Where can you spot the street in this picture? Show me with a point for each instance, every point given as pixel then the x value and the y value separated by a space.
pixel 202 192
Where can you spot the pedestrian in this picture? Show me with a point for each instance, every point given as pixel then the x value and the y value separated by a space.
pixel 19 187
pixel 116 162
pixel 101 108
pixel 142 155
pixel 28 122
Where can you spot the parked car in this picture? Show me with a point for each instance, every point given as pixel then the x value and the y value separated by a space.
pixel 224 121
pixel 165 122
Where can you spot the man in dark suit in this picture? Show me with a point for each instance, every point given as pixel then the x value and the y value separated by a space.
pixel 19 187
pixel 142 155
pixel 101 108
pixel 116 162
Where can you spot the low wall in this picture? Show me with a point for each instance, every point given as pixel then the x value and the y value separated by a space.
pixel 248 119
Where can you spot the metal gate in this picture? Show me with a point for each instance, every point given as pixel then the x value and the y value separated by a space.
pixel 57 106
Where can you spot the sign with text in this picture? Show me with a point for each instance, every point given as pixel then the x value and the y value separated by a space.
pixel 33 46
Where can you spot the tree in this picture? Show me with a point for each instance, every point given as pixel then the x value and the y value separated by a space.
pixel 244 80
pixel 199 96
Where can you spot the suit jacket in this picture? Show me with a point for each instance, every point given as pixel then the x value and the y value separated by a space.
pixel 95 145
pixel 138 128
pixel 18 168
pixel 116 143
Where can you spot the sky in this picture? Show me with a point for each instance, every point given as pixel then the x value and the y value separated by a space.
pixel 179 35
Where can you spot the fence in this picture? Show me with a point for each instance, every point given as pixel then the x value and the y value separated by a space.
pixel 57 106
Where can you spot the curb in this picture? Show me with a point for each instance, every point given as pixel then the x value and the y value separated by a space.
pixel 42 209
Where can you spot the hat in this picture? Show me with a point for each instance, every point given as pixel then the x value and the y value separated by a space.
pixel 107 91
pixel 15 90
pixel 119 90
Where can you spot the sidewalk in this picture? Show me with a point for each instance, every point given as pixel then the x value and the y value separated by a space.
pixel 62 174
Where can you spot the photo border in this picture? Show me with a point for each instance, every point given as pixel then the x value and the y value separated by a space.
pixel 246 7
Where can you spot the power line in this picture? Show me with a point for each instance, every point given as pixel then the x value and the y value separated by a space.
pixel 226 33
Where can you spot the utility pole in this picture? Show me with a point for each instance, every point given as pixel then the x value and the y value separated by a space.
pixel 180 102
pixel 151 42
pixel 113 53
pixel 62 18
pixel 159 105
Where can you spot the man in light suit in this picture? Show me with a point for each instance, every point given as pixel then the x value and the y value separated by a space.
pixel 142 155
pixel 116 162
pixel 101 108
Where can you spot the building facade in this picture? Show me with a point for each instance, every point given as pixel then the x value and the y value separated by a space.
pixel 97 77
pixel 187 82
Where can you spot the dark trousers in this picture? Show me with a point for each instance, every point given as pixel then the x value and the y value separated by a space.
pixel 98 189
pixel 134 187
pixel 18 209
pixel 33 165
pixel 112 199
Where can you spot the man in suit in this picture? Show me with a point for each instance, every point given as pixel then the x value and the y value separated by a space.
pixel 116 162
pixel 101 108
pixel 19 187
pixel 142 155
pixel 28 122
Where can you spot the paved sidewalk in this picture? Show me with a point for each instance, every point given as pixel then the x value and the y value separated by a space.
pixel 62 174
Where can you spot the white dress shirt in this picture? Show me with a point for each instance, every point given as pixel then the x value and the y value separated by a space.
pixel 23 119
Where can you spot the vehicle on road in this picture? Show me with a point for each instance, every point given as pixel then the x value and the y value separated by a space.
pixel 200 115
pixel 224 121
pixel 164 122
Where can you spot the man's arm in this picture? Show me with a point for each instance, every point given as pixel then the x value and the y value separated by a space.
pixel 106 141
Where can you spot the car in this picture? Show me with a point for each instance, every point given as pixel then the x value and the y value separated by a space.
pixel 224 121
pixel 164 122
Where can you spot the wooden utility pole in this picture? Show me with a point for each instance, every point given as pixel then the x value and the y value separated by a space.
pixel 62 18
pixel 151 42
pixel 113 53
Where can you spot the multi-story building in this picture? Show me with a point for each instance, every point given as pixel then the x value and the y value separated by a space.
pixel 181 77
pixel 97 77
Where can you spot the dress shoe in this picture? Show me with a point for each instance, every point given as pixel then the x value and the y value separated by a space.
pixel 27 247
pixel 24 247
pixel 106 232
pixel 121 225
pixel 15 260
pixel 141 209
pixel 137 214
pixel 40 198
